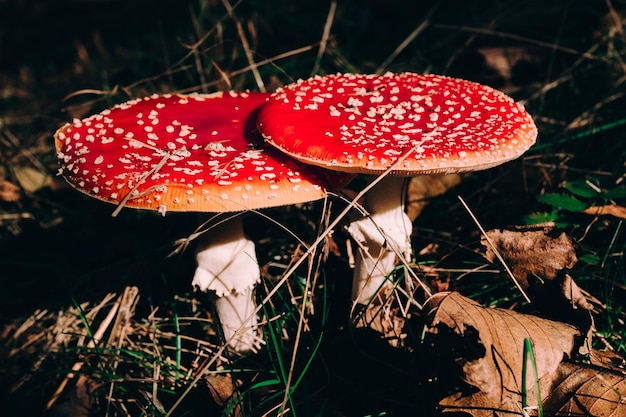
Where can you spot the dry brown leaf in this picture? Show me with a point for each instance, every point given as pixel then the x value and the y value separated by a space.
pixel 505 68
pixel 76 400
pixel 384 316
pixel 490 343
pixel 585 390
pixel 609 209
pixel 502 60
pixel 224 390
pixel 532 251
pixel 539 258
pixel 8 191
pixel 424 187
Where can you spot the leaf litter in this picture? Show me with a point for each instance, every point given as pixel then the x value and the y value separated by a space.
pixel 485 345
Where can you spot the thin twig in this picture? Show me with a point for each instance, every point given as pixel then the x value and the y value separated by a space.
pixel 522 39
pixel 246 46
pixel 129 195
pixel 330 17
pixel 419 29
pixel 272 60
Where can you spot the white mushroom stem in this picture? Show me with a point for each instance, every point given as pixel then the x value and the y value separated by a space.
pixel 376 257
pixel 227 265
pixel 239 321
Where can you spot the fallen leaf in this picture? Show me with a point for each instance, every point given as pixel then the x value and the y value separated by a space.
pixel 541 251
pixel 609 209
pixel 502 59
pixel 424 187
pixel 488 346
pixel 222 388
pixel 586 390
pixel 31 180
pixel 505 68
pixel 77 399
pixel 8 191
pixel 539 258
pixel 383 316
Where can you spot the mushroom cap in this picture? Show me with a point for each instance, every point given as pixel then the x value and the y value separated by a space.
pixel 366 123
pixel 198 152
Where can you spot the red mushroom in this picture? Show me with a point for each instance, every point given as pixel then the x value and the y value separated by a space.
pixel 398 124
pixel 194 153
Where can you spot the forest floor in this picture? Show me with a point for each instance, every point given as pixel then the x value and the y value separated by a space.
pixel 66 263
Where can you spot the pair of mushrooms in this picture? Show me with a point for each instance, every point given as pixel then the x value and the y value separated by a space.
pixel 204 153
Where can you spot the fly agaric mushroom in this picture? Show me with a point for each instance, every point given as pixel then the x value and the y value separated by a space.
pixel 194 153
pixel 397 124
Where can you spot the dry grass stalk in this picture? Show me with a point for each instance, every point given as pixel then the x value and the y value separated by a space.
pixel 97 336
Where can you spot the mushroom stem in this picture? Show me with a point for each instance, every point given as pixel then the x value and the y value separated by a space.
pixel 227 265
pixel 376 253
pixel 239 323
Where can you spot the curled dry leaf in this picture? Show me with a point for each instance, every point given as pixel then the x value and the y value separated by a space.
pixel 609 209
pixel 539 258
pixel 223 390
pixel 488 345
pixel 532 251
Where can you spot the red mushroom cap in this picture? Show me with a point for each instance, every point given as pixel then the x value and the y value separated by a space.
pixel 182 153
pixel 365 123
